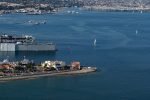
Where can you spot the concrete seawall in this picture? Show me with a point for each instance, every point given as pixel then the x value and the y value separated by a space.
pixel 45 74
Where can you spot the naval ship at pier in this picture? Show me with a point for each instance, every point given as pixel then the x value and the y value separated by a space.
pixel 23 43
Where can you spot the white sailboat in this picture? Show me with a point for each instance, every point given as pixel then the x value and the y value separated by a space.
pixel 136 32
pixel 94 42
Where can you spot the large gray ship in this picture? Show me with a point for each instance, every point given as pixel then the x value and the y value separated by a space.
pixel 23 43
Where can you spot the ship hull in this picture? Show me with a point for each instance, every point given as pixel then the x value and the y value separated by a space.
pixel 26 47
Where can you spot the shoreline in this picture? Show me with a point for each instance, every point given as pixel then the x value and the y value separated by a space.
pixel 86 8
pixel 46 74
pixel 117 9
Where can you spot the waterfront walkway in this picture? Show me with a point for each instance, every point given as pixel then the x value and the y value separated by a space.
pixel 45 74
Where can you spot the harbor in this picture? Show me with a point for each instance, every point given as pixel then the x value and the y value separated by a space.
pixel 40 7
pixel 118 43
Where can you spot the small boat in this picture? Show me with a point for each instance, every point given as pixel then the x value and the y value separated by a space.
pixel 36 23
pixel 77 12
pixel 43 22
pixel 136 32
pixel 94 42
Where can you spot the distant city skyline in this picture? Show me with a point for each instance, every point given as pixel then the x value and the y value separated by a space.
pixel 86 2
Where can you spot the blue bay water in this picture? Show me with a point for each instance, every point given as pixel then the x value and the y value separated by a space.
pixel 122 55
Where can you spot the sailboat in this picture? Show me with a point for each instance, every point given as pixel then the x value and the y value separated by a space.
pixel 136 32
pixel 94 42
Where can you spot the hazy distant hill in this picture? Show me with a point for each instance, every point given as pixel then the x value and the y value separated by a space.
pixel 86 2
pixel 117 2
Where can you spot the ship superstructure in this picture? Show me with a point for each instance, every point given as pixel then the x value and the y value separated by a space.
pixel 23 43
